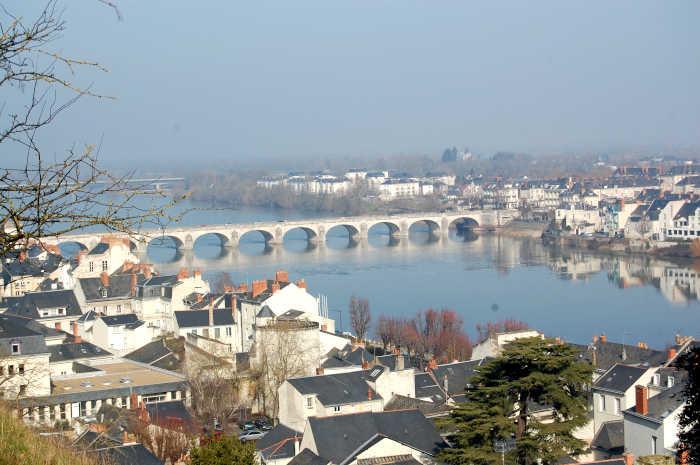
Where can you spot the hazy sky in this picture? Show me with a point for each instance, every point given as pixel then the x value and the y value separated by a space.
pixel 211 80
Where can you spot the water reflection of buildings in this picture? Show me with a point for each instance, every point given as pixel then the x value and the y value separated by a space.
pixel 576 266
pixel 677 283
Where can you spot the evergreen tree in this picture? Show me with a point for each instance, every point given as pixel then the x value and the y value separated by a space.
pixel 689 422
pixel 224 451
pixel 530 373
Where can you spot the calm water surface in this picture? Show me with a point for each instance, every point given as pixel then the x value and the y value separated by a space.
pixel 487 277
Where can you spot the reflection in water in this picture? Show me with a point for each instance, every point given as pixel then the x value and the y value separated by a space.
pixel 569 293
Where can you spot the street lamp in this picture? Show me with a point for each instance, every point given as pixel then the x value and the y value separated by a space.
pixel 502 446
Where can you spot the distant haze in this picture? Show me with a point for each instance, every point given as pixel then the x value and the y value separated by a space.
pixel 207 80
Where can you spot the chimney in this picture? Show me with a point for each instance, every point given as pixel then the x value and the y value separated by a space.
pixel 399 362
pixel 365 365
pixel 57 326
pixel 297 445
pixel 243 287
pixel 301 283
pixel 22 256
pixel 641 400
pixel 125 437
pixel 199 297
pixel 275 287
pixel 197 274
pixel 184 273
pixel 595 338
pixel 76 336
pixel 79 257
pixel 369 393
pixel 629 458
pixel 132 284
pixel 445 384
pixel 147 272
pixel 603 338
pixel 211 311
pixel 104 278
pixel 319 371
pixel 642 345
pixel 134 399
pixel 672 352
pixel 282 276
pixel 259 287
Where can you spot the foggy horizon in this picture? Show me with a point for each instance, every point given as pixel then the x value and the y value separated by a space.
pixel 271 81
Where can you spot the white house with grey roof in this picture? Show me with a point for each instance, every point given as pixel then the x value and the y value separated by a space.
pixel 651 424
pixel 402 437
pixel 54 309
pixel 340 393
pixel 614 392
pixel 119 334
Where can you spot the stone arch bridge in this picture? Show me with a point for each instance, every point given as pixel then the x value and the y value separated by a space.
pixel 358 227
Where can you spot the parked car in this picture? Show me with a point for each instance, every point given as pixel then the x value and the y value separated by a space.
pixel 251 435
pixel 249 425
pixel 263 424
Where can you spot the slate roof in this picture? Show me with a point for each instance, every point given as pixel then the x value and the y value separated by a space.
pixel 14 330
pixel 427 408
pixel 341 437
pixel 171 412
pixel 686 210
pixel 126 454
pixel 389 361
pixel 306 457
pixel 610 437
pixel 31 303
pixel 291 315
pixel 609 353
pixel 119 320
pixel 335 362
pixel 200 318
pixel 119 287
pixel 100 248
pixel 619 378
pixel 32 267
pixel 337 388
pixel 265 312
pixel 92 440
pixel 458 375
pixel 73 351
pixel 427 387
pixel 169 280
pixel 151 352
pixel 663 404
pixel 278 443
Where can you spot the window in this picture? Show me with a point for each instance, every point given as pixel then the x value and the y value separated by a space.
pixel 22 389
pixel 21 368
pixel 104 265
pixel 61 311
pixel 119 308
pixel 336 408
pixel 217 333
pixel 228 331
pixel 670 381
pixel 309 402
pixel 617 405
pixel 104 293
pixel 656 380
pixel 62 409
pixel 11 370
pixel 2 370
pixel 601 403
pixel 653 445
pixel 91 266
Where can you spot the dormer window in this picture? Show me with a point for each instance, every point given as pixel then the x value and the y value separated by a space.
pixel 15 348
pixel 104 293
pixel 656 380
pixel 61 311
pixel 670 381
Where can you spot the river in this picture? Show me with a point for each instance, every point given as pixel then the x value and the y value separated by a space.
pixel 572 294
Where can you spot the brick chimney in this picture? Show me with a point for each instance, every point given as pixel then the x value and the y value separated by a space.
pixel 79 257
pixel 629 458
pixel 301 284
pixel 134 398
pixel 369 393
pixel 259 287
pixel 399 362
pixel 672 352
pixel 197 274
pixel 243 287
pixel 76 335
pixel 319 371
pixel 147 272
pixel 275 287
pixel 641 399
pixel 603 338
pixel 365 364
pixel 282 276
pixel 57 326
pixel 104 278
pixel 132 284
pixel 432 364
pixel 184 273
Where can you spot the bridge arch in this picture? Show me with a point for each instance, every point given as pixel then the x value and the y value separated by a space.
pixel 352 230
pixel 71 248
pixel 394 228
pixel 433 226
pixel 248 234
pixel 311 234
pixel 223 239
pixel 463 222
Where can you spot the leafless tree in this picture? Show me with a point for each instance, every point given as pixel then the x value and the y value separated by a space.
pixel 214 393
pixel 360 317
pixel 283 354
pixel 43 195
